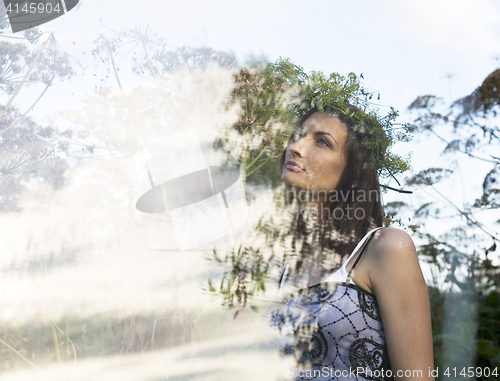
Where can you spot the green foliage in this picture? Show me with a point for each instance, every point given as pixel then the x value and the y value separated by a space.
pixel 275 98
pixel 247 276
pixel 429 176
pixel 491 190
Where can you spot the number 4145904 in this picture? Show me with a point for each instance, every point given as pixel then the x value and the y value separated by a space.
pixel 33 8
pixel 471 372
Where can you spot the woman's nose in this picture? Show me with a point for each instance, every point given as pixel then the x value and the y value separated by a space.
pixel 297 148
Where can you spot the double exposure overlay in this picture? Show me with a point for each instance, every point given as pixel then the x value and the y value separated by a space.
pixel 255 191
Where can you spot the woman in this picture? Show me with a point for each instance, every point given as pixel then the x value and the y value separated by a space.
pixel 370 323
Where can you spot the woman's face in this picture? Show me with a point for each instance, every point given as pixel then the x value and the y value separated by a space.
pixel 316 160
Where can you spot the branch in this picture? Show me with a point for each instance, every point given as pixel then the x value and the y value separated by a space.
pixel 8 83
pixel 484 128
pixel 114 69
pixel 265 161
pixel 395 189
pixel 69 341
pixel 29 108
pixel 458 149
pixel 25 78
pixel 19 354
pixel 257 158
pixel 56 343
pixel 465 215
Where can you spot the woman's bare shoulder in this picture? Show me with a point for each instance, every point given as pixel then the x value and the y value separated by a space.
pixel 391 246
pixel 388 240
pixel 387 251
pixel 393 259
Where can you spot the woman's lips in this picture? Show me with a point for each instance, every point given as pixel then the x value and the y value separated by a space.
pixel 292 166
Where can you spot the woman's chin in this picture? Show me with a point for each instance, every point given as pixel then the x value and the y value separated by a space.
pixel 288 180
pixel 291 182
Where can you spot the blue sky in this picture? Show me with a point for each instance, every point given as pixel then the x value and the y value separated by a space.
pixel 404 49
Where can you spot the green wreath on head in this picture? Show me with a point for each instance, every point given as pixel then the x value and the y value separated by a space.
pixel 285 92
pixel 377 134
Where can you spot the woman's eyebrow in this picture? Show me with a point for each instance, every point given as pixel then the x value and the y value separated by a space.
pixel 322 133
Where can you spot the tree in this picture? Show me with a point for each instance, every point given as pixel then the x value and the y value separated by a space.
pixel 466 251
pixel 29 151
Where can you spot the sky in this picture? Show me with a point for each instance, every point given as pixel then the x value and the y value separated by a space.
pixel 403 49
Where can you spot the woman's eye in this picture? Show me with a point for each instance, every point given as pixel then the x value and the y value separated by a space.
pixel 324 141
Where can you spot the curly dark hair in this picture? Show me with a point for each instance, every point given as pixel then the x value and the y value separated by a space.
pixel 338 236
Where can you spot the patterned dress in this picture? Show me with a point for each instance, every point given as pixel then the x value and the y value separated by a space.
pixel 333 330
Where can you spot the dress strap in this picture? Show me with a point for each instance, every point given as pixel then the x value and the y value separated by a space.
pixel 367 236
pixel 358 258
pixel 341 274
